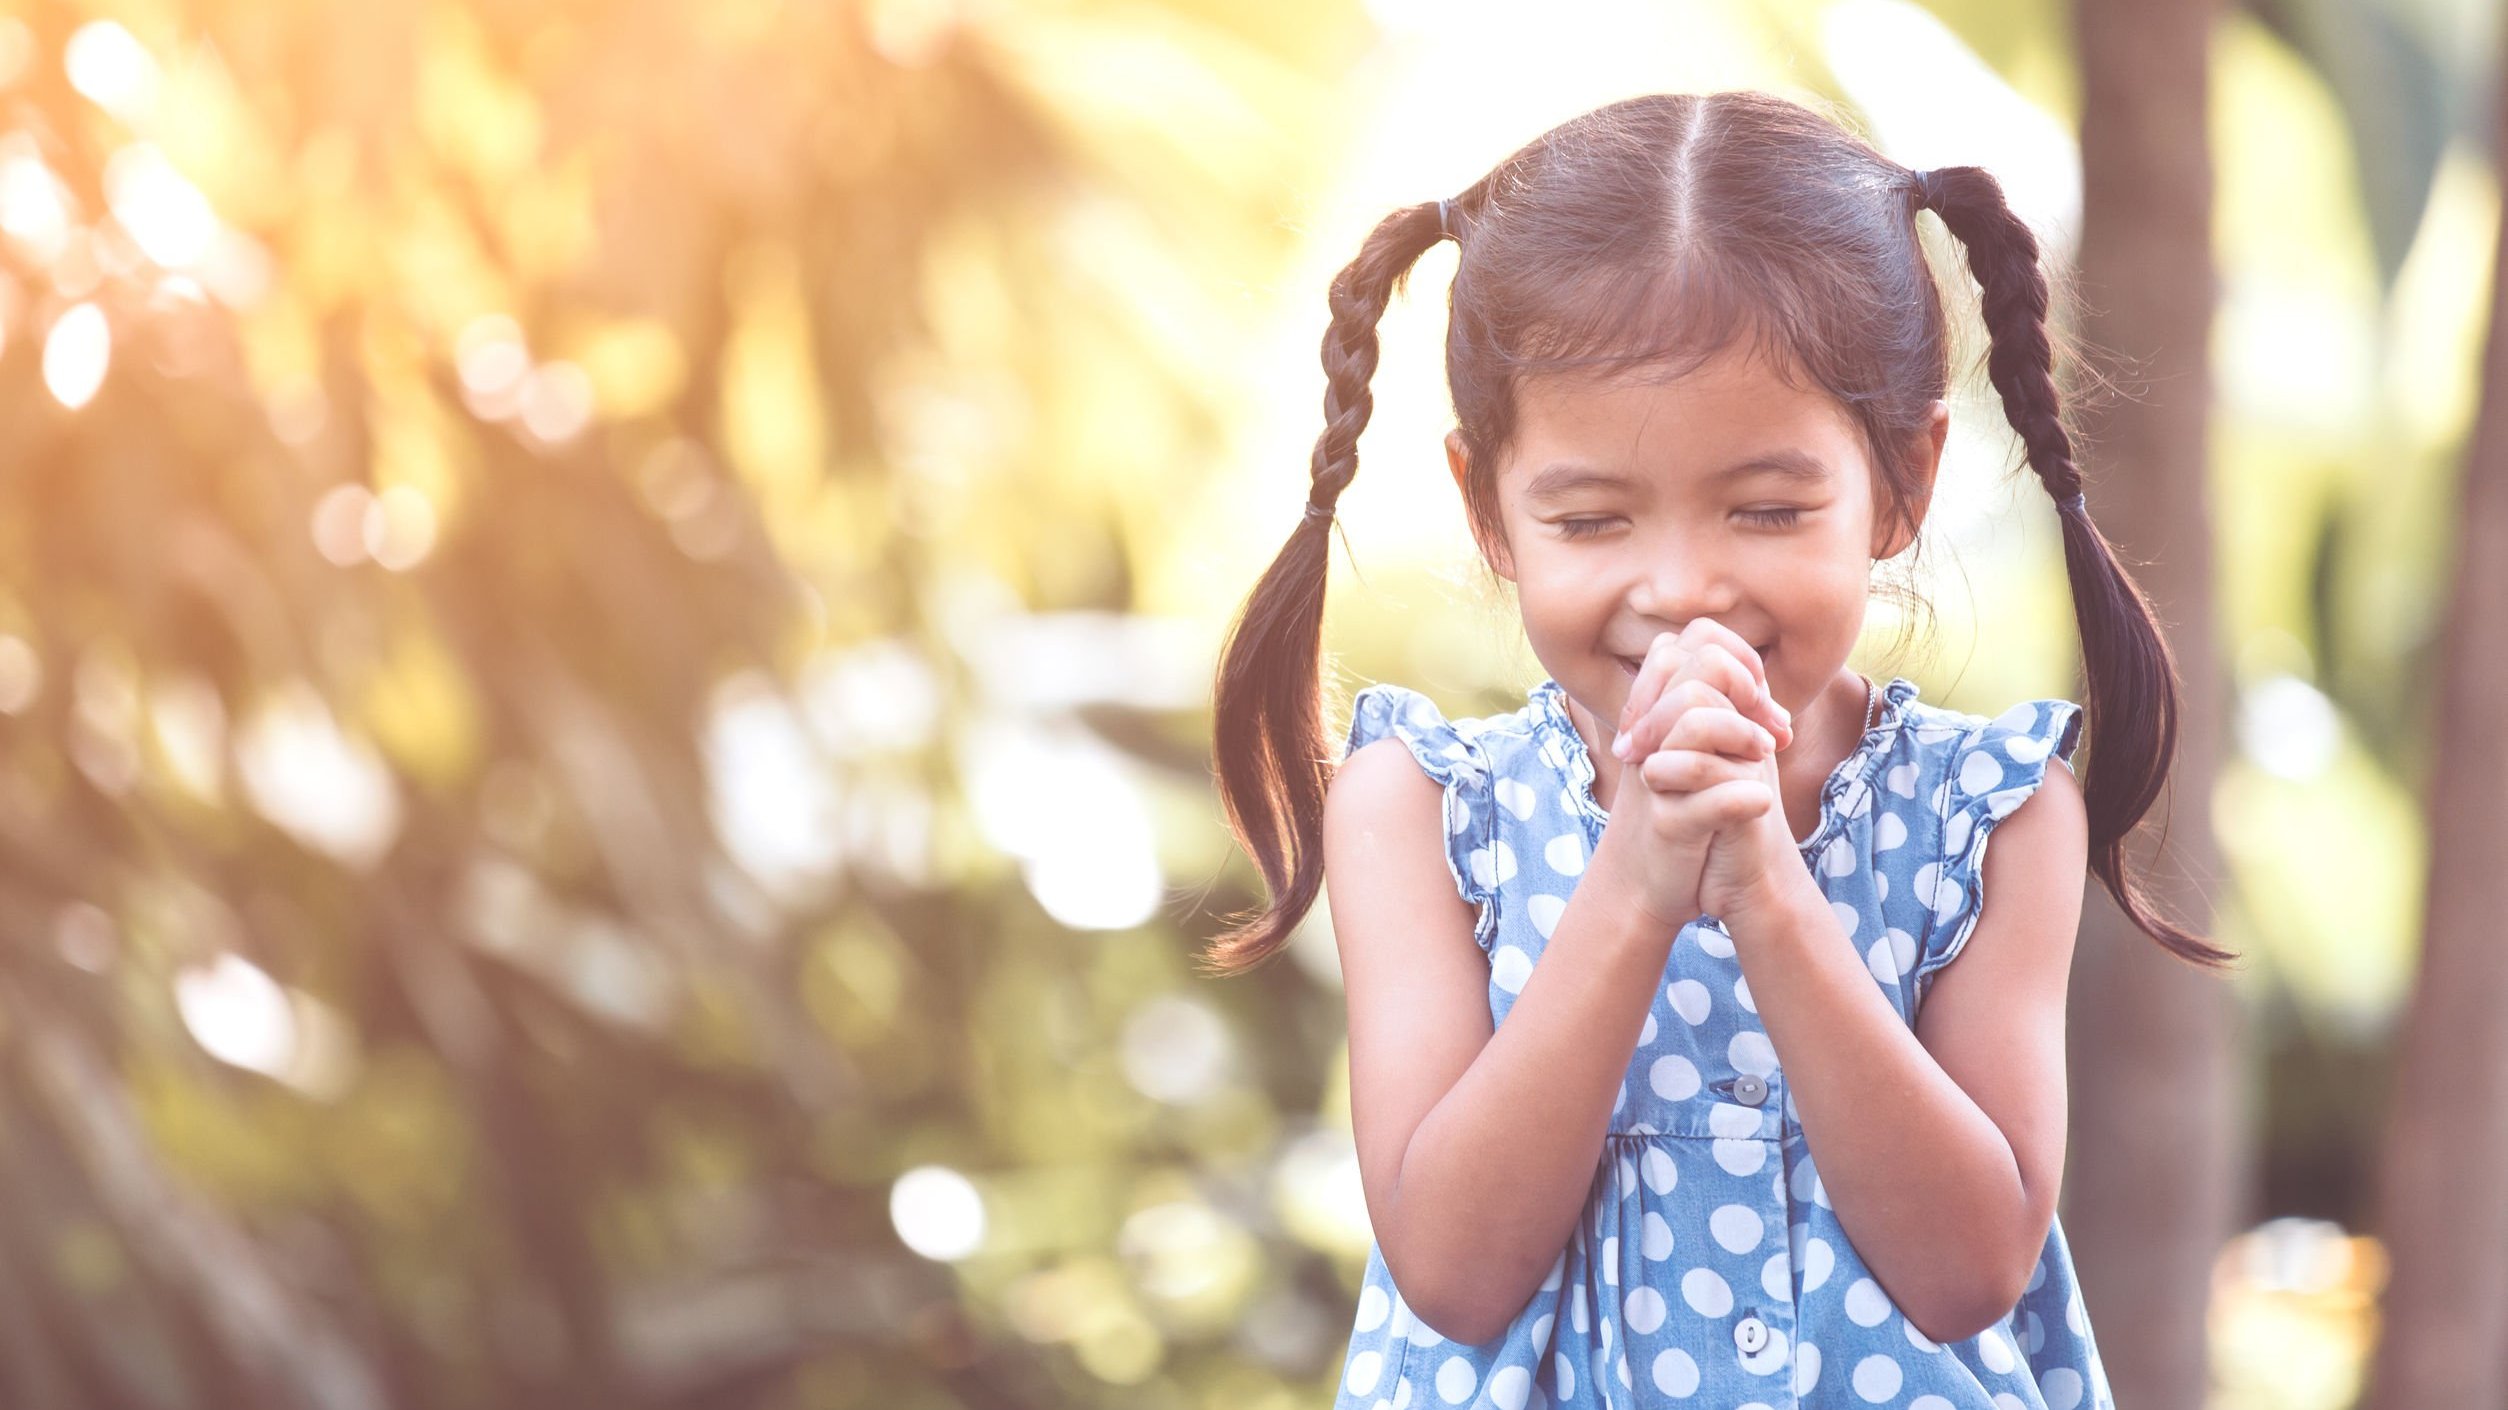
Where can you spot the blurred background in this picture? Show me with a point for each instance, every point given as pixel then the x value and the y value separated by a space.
pixel 606 620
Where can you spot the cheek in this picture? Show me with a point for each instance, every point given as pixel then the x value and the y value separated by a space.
pixel 1822 594
pixel 1831 564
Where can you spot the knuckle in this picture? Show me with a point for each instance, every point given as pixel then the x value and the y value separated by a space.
pixel 1705 730
pixel 1693 693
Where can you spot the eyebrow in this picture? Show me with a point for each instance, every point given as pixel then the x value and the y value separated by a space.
pixel 1558 480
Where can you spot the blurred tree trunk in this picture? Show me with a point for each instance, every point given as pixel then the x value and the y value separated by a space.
pixel 2445 1157
pixel 2157 1130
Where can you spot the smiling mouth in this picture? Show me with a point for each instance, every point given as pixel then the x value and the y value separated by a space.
pixel 1629 665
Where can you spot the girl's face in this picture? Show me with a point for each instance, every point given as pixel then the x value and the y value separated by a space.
pixel 1632 506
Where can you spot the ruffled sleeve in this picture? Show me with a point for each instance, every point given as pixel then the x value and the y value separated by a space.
pixel 1451 756
pixel 1990 772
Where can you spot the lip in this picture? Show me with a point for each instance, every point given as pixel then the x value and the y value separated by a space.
pixel 1629 665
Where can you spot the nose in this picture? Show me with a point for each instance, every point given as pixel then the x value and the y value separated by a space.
pixel 1674 582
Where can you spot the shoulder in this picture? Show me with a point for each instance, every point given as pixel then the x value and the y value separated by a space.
pixel 1452 750
pixel 2015 955
pixel 1465 753
pixel 2045 836
pixel 1976 778
pixel 1974 764
pixel 1390 819
pixel 1380 782
pixel 1409 926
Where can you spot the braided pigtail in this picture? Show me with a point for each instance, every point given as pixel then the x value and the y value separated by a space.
pixel 1267 729
pixel 2130 677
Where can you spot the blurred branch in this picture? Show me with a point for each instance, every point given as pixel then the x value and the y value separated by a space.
pixel 284 1347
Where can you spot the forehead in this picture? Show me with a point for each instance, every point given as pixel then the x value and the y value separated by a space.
pixel 1565 479
pixel 1733 417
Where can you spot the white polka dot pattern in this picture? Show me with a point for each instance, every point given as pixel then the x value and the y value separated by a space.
pixel 1706 1293
pixel 1708 1266
pixel 1877 1379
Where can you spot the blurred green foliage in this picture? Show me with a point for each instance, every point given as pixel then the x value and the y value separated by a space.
pixel 495 911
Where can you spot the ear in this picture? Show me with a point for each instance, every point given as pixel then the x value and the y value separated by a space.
pixel 1459 465
pixel 1890 539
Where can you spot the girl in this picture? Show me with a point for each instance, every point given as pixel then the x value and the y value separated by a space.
pixel 1664 1081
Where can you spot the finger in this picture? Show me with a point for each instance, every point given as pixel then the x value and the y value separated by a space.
pixel 1716 664
pixel 1673 772
pixel 1663 660
pixel 1703 632
pixel 1755 700
pixel 1725 805
pixel 1647 733
pixel 1724 732
pixel 1727 729
pixel 1687 823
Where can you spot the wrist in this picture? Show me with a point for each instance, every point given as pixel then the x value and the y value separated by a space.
pixel 1777 895
pixel 1615 879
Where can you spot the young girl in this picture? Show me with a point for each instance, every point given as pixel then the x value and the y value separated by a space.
pixel 1665 1083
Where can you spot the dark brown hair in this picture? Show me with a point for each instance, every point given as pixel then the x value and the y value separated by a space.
pixel 1652 234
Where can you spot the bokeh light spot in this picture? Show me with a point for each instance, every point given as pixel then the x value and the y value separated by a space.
pixel 399 527
pixel 327 790
pixel 76 355
pixel 34 210
pixel 165 214
pixel 339 524
pixel 556 402
pixel 1175 1049
pixel 21 675
pixel 938 1213
pixel 112 69
pixel 238 1014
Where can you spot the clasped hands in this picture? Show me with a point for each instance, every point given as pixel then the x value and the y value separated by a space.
pixel 1700 733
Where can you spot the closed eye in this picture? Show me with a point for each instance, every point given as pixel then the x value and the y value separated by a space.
pixel 1780 518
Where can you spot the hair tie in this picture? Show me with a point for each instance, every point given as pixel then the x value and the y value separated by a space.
pixel 1445 229
pixel 2079 503
pixel 1318 511
pixel 1925 192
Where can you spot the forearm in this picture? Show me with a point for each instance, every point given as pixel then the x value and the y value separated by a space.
pixel 1922 1180
pixel 1497 1173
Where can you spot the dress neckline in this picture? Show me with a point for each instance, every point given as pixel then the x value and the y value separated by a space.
pixel 1549 700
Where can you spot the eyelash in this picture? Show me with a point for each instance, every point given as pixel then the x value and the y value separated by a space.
pixel 1765 518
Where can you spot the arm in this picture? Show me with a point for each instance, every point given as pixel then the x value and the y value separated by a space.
pixel 1476 1149
pixel 1966 1112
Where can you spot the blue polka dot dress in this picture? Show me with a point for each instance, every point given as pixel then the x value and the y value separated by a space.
pixel 1709 1268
